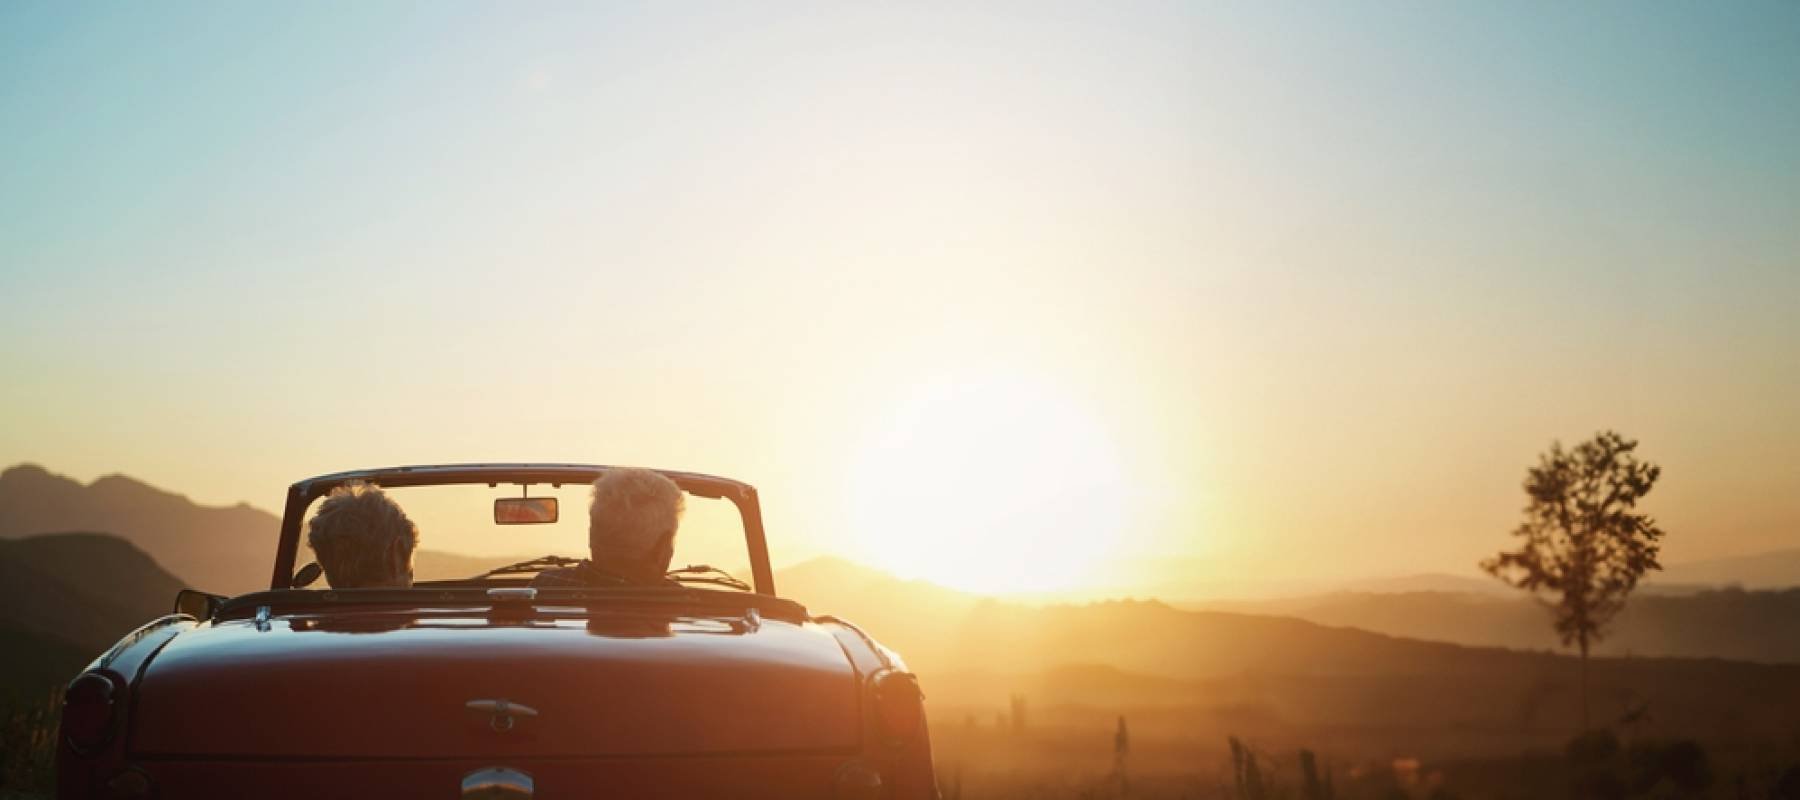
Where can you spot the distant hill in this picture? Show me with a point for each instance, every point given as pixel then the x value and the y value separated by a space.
pixel 35 665
pixel 1776 569
pixel 85 588
pixel 1710 623
pixel 940 630
pixel 227 550
pixel 65 598
pixel 911 616
pixel 219 549
pixel 1428 582
pixel 1154 638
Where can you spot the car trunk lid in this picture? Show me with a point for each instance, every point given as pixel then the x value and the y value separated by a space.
pixel 568 682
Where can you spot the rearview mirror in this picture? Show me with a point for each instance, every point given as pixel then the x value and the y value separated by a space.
pixel 199 605
pixel 524 510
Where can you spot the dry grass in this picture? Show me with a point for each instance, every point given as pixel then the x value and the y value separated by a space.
pixel 27 744
pixel 1053 760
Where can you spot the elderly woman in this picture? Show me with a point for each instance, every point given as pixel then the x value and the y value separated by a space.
pixel 363 539
pixel 631 531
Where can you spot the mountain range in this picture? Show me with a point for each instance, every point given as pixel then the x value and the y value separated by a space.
pixel 231 548
pixel 939 627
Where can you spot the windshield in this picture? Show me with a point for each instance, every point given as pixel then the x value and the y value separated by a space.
pixel 459 539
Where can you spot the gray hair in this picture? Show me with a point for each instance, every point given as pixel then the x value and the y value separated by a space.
pixel 352 531
pixel 633 511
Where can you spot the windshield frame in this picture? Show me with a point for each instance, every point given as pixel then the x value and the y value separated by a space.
pixel 301 495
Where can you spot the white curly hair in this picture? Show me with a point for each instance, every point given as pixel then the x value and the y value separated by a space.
pixel 635 512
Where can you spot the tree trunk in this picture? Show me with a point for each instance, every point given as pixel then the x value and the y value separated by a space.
pixel 1584 684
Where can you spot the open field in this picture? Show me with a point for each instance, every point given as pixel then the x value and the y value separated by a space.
pixel 1498 735
pixel 1076 756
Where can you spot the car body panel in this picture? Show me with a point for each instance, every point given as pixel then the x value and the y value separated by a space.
pixel 396 684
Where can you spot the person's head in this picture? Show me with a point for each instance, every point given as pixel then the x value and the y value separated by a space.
pixel 632 522
pixel 363 539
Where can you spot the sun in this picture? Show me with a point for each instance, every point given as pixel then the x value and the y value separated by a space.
pixel 992 483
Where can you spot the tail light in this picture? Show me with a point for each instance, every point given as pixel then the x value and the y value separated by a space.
pixel 899 706
pixel 89 711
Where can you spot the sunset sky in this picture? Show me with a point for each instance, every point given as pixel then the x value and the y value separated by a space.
pixel 1094 297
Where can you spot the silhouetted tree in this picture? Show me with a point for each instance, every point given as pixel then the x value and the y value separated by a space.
pixel 1585 546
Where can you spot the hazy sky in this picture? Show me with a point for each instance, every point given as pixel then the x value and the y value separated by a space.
pixel 1015 297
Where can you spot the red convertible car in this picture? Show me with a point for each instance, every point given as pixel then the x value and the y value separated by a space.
pixel 488 687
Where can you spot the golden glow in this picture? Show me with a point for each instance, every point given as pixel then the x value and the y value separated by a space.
pixel 989 483
pixel 1321 341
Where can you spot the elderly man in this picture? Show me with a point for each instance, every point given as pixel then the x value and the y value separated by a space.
pixel 363 539
pixel 631 531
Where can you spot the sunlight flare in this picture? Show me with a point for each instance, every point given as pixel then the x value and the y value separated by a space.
pixel 991 483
